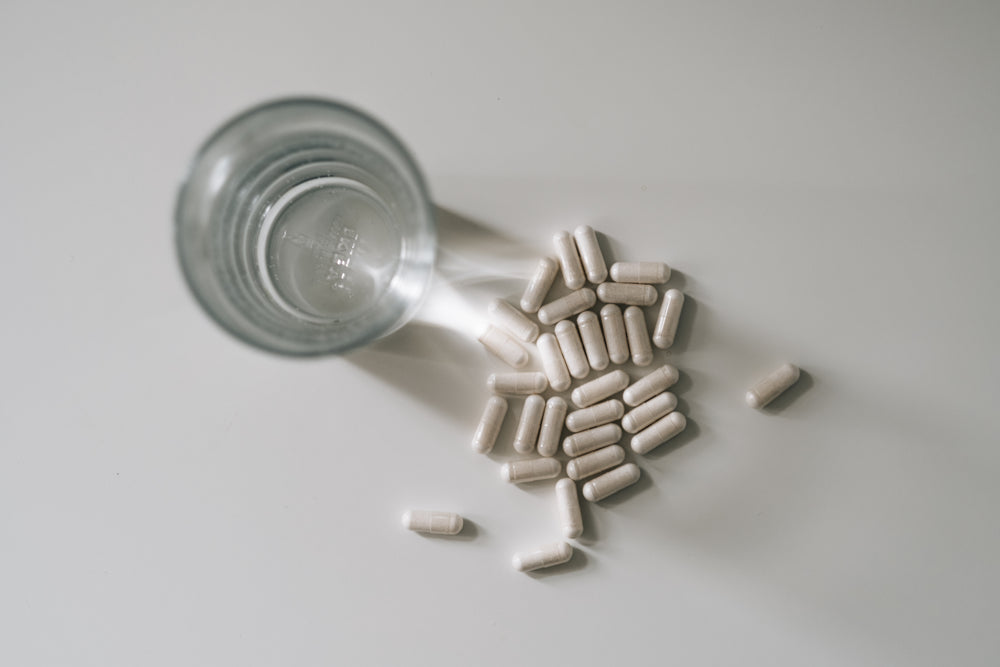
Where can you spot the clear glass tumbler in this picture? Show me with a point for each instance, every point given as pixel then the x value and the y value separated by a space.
pixel 304 227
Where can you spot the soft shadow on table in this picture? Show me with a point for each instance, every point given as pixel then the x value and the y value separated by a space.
pixel 436 358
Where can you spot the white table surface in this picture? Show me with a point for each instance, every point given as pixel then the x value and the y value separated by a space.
pixel 823 179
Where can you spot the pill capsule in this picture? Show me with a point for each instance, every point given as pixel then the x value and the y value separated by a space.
pixel 569 260
pixel 611 482
pixel 614 333
pixel 435 523
pixel 513 320
pixel 638 336
pixel 591 439
pixel 772 386
pixel 504 347
pixel 593 340
pixel 590 252
pixel 539 285
pixel 661 430
pixel 655 273
pixel 489 425
pixel 517 384
pixel 599 388
pixel 552 424
pixel 572 349
pixel 530 470
pixel 598 461
pixel 547 556
pixel 553 362
pixel 666 322
pixel 648 412
pixel 633 295
pixel 656 381
pixel 595 415
pixel 569 508
pixel 527 427
pixel 567 306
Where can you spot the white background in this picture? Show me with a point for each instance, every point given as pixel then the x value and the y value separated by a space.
pixel 822 176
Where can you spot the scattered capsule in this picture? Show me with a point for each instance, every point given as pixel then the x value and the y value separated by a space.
pixel 595 415
pixel 527 427
pixel 614 333
pixel 569 260
pixel 653 436
pixel 489 425
pixel 655 273
pixel 593 340
pixel 633 295
pixel 517 384
pixel 567 306
pixel 553 362
pixel 666 322
pixel 572 349
pixel 611 482
pixel 504 347
pixel 598 461
pixel 513 320
pixel 435 523
pixel 647 413
pixel 772 386
pixel 591 439
pixel 656 381
pixel 552 424
pixel 539 285
pixel 569 508
pixel 599 388
pixel 547 556
pixel 590 253
pixel 530 470
pixel 638 336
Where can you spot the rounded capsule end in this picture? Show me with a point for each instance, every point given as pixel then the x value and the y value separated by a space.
pixel 407 519
pixel 455 525
pixel 589 492
pixel 505 472
pixel 572 532
pixel 516 563
pixel 753 400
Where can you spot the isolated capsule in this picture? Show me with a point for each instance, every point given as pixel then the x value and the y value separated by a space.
pixel 772 386
pixel 435 523
pixel 547 556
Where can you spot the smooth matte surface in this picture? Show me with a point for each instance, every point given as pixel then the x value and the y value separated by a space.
pixel 823 180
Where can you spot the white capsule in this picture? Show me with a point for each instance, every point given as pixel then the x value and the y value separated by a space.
pixel 614 333
pixel 517 384
pixel 591 439
pixel 567 306
pixel 569 260
pixel 662 430
pixel 513 320
pixel 569 508
pixel 527 427
pixel 599 388
pixel 547 556
pixel 655 273
pixel 593 340
pixel 489 425
pixel 656 381
pixel 539 285
pixel 598 461
pixel 666 322
pixel 572 349
pixel 638 336
pixel 435 523
pixel 595 415
pixel 552 424
pixel 530 470
pixel 647 413
pixel 553 362
pixel 611 482
pixel 633 295
pixel 590 253
pixel 772 386
pixel 504 347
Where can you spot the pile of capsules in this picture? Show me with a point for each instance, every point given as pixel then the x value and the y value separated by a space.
pixel 591 343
